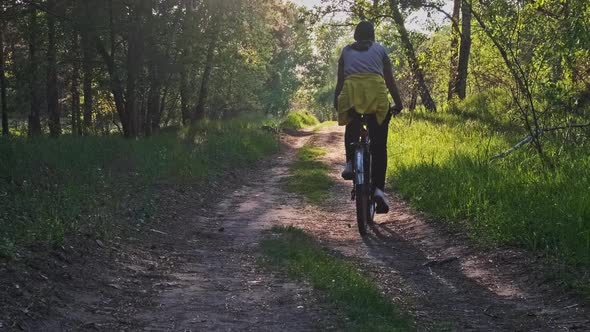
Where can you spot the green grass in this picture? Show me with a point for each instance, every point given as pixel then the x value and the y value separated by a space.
pixel 310 177
pixel 51 188
pixel 352 292
pixel 325 124
pixel 440 162
pixel 299 120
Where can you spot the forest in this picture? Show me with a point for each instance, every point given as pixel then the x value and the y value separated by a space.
pixel 105 67
pixel 102 101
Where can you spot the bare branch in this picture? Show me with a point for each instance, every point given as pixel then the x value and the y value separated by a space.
pixel 535 135
pixel 570 126
pixel 520 144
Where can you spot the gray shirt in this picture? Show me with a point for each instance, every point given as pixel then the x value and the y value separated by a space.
pixel 364 62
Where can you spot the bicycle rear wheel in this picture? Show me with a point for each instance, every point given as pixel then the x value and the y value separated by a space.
pixel 363 211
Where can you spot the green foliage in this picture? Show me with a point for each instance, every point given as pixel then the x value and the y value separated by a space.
pixel 299 120
pixel 319 80
pixel 354 293
pixel 51 188
pixel 441 163
pixel 310 177
pixel 256 49
pixel 270 43
pixel 544 48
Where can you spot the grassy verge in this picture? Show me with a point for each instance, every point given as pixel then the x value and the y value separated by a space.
pixel 325 124
pixel 357 296
pixel 440 162
pixel 51 188
pixel 299 120
pixel 309 177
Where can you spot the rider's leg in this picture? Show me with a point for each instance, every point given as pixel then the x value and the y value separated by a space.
pixel 379 135
pixel 351 134
pixel 379 164
pixel 353 130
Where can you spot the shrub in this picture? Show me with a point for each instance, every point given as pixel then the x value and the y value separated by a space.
pixel 299 120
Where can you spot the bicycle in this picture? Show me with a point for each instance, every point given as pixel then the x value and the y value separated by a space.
pixel 363 189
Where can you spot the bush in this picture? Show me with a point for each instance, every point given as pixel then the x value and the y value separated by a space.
pixel 299 120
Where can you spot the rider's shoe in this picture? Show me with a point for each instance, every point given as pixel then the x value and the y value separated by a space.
pixel 348 173
pixel 382 207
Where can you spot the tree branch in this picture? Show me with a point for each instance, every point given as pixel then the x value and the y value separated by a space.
pixel 535 135
pixel 444 12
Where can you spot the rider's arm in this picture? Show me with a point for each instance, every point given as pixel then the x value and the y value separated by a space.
pixel 391 84
pixel 340 82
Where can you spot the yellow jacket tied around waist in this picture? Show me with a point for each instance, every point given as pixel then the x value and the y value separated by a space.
pixel 367 94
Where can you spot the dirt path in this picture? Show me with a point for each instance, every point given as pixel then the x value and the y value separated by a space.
pixel 197 270
pixel 218 284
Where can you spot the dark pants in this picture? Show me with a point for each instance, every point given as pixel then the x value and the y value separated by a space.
pixel 378 135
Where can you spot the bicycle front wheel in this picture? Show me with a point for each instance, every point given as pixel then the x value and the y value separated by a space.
pixel 363 211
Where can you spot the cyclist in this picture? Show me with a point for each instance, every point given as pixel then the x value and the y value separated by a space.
pixel 365 75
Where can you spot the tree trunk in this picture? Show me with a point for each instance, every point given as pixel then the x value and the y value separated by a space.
pixel 158 120
pixel 413 100
pixel 87 68
pixel 185 70
pixel 204 93
pixel 35 115
pixel 75 88
pixel 116 84
pixel 154 99
pixel 75 91
pixel 135 56
pixel 143 124
pixel 133 70
pixel 5 130
pixel 88 55
pixel 52 93
pixel 455 35
pixel 152 122
pixel 411 55
pixel 464 51
pixel 184 96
